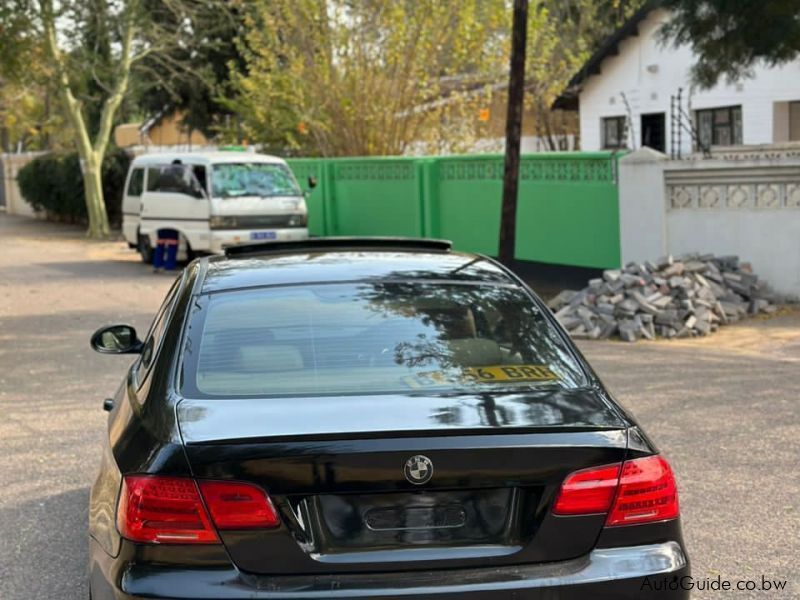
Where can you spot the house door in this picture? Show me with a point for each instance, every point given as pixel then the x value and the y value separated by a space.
pixel 653 132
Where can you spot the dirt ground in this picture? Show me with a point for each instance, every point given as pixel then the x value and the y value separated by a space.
pixel 723 409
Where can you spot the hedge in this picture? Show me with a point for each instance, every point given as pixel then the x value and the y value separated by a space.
pixel 53 184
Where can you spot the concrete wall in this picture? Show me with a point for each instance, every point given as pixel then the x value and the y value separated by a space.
pixel 749 207
pixel 648 72
pixel 10 164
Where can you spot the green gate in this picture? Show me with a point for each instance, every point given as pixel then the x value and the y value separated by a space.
pixel 567 212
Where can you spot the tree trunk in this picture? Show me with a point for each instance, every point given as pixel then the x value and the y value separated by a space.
pixel 516 88
pixel 95 203
pixel 91 155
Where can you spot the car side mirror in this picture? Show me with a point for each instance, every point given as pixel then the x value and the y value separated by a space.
pixel 116 339
pixel 312 182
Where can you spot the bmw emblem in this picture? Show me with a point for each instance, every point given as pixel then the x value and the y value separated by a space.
pixel 418 469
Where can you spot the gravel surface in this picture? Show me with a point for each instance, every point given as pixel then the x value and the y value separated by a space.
pixel 723 409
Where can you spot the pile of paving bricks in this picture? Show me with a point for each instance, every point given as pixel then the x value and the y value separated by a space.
pixel 670 297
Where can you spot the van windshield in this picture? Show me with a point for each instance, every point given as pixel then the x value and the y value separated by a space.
pixel 232 180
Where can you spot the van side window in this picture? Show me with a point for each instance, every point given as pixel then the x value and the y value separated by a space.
pixel 174 179
pixel 169 178
pixel 153 179
pixel 136 183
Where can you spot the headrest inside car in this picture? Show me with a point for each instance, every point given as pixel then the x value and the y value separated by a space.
pixel 270 358
pixel 475 352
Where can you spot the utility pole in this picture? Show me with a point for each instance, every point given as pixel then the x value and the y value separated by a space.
pixel 516 89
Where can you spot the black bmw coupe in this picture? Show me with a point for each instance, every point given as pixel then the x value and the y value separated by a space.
pixel 371 418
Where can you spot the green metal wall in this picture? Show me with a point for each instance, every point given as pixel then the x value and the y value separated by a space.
pixel 304 168
pixel 567 213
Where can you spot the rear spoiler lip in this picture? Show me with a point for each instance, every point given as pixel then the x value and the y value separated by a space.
pixel 205 422
pixel 510 433
pixel 336 243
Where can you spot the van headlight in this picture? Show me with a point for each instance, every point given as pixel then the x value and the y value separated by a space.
pixel 298 220
pixel 218 222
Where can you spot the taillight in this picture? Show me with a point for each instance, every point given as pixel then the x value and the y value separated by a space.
pixel 163 510
pixel 170 510
pixel 588 491
pixel 235 505
pixel 643 490
pixel 647 492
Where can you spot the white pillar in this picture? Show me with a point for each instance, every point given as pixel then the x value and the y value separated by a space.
pixel 642 206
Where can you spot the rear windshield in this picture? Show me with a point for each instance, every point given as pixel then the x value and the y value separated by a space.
pixel 373 338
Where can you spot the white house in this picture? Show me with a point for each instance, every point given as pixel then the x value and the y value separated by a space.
pixel 627 95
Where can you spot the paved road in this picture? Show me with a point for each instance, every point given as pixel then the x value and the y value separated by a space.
pixel 724 409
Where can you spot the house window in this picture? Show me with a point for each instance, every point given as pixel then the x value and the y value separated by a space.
pixel 614 133
pixel 719 126
pixel 794 121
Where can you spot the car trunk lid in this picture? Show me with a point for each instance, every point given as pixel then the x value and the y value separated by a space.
pixel 337 469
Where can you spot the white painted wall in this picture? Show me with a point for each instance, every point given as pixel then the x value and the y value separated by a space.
pixel 748 207
pixel 649 92
pixel 15 203
pixel 764 239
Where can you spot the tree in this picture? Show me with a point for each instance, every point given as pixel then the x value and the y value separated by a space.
pixel 729 36
pixel 91 48
pixel 336 77
pixel 91 151
pixel 192 78
pixel 27 119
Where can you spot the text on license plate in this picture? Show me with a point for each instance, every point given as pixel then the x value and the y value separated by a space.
pixel 488 374
pixel 511 373
pixel 263 235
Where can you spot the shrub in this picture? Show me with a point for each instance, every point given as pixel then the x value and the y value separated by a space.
pixel 53 184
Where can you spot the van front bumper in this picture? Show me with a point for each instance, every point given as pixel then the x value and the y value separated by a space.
pixel 223 238
pixel 641 572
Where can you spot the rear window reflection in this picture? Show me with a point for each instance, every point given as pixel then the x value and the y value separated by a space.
pixel 376 338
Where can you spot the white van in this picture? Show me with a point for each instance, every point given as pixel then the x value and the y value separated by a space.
pixel 213 200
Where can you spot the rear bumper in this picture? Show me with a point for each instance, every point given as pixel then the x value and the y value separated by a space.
pixel 617 573
pixel 222 238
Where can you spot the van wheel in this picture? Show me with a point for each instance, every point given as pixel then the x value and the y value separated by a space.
pixel 145 250
pixel 185 251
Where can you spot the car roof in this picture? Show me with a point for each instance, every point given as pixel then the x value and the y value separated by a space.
pixel 205 158
pixel 328 265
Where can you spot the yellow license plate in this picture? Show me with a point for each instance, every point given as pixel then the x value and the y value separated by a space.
pixel 511 373
pixel 491 374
